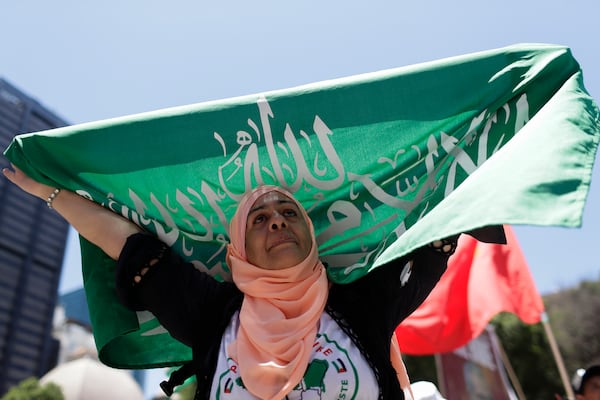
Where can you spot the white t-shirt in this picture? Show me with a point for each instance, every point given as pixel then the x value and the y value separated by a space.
pixel 336 370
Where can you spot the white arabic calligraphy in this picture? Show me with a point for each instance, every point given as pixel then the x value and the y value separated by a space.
pixel 310 163
pixel 350 202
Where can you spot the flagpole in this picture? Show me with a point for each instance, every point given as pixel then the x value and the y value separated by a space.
pixel 557 357
pixel 511 372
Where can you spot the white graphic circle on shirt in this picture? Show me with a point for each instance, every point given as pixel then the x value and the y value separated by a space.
pixel 336 370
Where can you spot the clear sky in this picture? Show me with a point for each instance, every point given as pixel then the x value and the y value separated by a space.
pixel 94 60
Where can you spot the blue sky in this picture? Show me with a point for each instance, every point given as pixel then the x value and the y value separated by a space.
pixel 88 61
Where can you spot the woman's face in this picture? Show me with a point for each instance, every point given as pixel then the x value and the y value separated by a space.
pixel 277 236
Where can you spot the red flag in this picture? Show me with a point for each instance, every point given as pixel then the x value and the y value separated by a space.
pixel 482 280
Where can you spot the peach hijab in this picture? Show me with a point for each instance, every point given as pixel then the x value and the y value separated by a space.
pixel 280 311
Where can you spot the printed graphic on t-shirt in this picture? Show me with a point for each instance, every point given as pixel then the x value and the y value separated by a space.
pixel 336 370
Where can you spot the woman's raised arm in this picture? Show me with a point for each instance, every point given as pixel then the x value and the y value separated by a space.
pixel 104 228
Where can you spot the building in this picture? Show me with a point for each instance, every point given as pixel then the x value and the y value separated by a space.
pixel 32 244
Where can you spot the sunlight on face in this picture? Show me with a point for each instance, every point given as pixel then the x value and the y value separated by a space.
pixel 277 235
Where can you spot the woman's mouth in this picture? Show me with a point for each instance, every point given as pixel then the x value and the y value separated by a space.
pixel 281 241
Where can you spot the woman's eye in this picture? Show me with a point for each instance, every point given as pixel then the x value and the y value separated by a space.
pixel 259 218
pixel 290 213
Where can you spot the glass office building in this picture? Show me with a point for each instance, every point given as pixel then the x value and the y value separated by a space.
pixel 32 244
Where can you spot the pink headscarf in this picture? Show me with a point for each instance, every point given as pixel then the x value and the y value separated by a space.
pixel 280 311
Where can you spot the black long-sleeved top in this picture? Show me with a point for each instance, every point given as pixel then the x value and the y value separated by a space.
pixel 196 309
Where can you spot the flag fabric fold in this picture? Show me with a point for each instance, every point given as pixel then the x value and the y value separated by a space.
pixel 384 163
pixel 482 280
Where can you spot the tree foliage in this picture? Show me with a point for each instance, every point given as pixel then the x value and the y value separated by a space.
pixel 30 389
pixel 528 351
pixel 421 368
pixel 575 317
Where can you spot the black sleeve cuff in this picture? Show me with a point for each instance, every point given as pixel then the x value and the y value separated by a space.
pixel 140 248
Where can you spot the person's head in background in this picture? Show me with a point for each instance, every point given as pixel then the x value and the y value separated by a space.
pixel 586 383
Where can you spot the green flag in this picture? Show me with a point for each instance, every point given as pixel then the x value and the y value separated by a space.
pixel 384 163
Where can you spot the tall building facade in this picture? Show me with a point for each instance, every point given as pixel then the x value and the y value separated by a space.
pixel 32 244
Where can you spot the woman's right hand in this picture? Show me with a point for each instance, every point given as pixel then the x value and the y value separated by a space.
pixel 26 183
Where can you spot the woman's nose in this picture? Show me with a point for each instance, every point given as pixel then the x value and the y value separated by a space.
pixel 277 222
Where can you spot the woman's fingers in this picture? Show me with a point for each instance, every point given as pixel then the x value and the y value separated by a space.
pixel 15 175
pixel 19 178
pixel 9 174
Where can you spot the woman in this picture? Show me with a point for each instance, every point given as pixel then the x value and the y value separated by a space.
pixel 281 329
